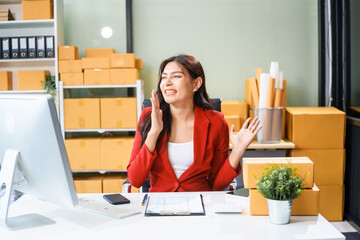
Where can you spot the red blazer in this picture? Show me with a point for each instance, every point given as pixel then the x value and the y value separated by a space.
pixel 211 169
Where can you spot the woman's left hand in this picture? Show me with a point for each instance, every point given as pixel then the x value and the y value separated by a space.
pixel 243 138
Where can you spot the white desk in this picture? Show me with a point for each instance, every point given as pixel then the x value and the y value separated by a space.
pixel 78 224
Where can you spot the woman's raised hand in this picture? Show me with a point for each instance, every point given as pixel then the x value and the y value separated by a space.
pixel 156 114
pixel 243 138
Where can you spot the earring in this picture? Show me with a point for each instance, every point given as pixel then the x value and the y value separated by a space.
pixel 195 89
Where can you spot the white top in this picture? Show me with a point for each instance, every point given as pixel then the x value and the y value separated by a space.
pixel 181 156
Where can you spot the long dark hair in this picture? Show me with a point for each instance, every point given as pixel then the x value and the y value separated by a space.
pixel 201 98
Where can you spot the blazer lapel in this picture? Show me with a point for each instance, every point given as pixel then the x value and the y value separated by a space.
pixel 201 129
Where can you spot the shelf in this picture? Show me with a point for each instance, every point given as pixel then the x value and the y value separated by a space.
pixel 101 86
pixel 101 130
pixel 99 171
pixel 27 23
pixel 24 60
pixel 22 91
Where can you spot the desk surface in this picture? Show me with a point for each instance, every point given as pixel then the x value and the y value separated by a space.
pixel 78 224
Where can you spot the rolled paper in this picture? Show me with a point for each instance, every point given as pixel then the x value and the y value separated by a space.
pixel 254 92
pixel 279 83
pixel 271 93
pixel 278 98
pixel 263 90
pixel 274 72
pixel 258 72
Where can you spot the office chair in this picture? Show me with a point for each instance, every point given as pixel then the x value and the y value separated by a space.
pixel 216 103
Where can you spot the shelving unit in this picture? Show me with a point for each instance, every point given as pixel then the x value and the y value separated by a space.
pixel 19 28
pixel 139 92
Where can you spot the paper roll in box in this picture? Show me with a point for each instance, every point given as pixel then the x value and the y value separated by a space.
pixel 306 204
pixel 84 153
pixel 253 167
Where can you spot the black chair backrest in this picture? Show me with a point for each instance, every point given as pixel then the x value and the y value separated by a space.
pixel 216 103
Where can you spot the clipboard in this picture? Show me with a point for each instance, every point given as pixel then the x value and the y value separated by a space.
pixel 175 204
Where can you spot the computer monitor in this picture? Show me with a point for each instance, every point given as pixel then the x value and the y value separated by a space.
pixel 32 156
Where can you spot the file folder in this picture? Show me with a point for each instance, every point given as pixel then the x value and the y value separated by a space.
pixel 49 40
pixel 5 42
pixel 31 47
pixel 23 47
pixel 40 42
pixel 15 47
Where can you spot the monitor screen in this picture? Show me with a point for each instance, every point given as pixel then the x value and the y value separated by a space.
pixel 29 125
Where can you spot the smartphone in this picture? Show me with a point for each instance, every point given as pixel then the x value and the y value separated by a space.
pixel 116 198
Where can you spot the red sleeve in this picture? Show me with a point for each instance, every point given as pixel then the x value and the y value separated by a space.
pixel 222 173
pixel 141 159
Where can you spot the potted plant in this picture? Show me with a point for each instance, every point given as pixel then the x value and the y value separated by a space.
pixel 280 185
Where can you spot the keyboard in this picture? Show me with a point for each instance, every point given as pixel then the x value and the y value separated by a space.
pixel 228 206
pixel 105 208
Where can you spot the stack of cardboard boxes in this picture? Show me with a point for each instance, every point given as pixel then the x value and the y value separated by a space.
pixel 235 112
pixel 99 67
pixel 92 183
pixel 319 133
pixel 306 204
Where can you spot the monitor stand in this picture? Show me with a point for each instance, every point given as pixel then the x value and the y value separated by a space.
pixel 8 168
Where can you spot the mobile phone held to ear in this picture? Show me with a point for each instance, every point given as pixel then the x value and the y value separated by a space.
pixel 116 199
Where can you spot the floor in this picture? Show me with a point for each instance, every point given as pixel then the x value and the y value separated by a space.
pixel 347 229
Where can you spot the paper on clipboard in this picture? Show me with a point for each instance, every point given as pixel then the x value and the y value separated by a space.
pixel 175 204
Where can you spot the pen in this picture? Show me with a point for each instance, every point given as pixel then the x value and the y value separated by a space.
pixel 144 200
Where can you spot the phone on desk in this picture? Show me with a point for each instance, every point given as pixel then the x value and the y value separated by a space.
pixel 116 198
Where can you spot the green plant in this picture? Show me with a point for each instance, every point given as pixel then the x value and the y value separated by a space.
pixel 49 85
pixel 280 182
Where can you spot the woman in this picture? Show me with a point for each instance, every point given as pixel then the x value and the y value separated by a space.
pixel 180 140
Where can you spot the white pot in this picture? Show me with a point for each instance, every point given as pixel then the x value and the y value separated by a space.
pixel 279 211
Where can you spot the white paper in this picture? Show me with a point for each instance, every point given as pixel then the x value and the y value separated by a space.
pixel 175 203
pixel 264 85
pixel 274 71
pixel 279 84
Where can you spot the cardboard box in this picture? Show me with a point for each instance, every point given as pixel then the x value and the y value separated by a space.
pixel 122 60
pixel 118 112
pixel 113 183
pixel 115 152
pixel 329 164
pixel 34 10
pixel 72 79
pixel 96 76
pixel 99 52
pixel 6 82
pixel 248 95
pixel 253 167
pixel 123 76
pixel 235 119
pixel 306 204
pixel 70 66
pixel 332 202
pixel 95 63
pixel 31 80
pixel 315 127
pixel 139 63
pixel 88 184
pixel 68 53
pixel 84 153
pixel 82 113
pixel 240 108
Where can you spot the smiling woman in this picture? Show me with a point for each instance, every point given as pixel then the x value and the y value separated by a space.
pixel 180 141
